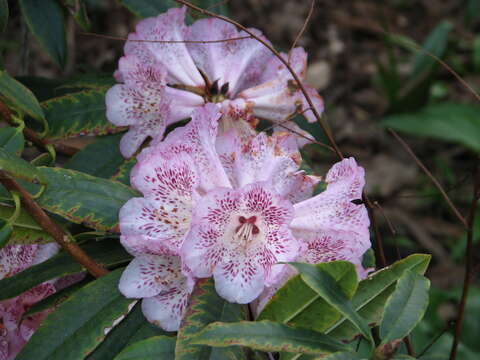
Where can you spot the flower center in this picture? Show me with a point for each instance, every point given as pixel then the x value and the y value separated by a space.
pixel 246 231
pixel 217 93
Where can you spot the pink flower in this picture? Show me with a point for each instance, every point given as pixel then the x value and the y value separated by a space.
pixel 232 208
pixel 15 331
pixel 153 228
pixel 163 82
pixel 330 226
pixel 237 236
pixel 158 279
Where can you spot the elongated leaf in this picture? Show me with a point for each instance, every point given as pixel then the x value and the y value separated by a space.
pixel 123 172
pixel 206 306
pixel 45 21
pixel 344 356
pixel 6 230
pixel 297 304
pixel 459 123
pixel 268 336
pixel 325 285
pixel 55 299
pixel 131 330
pixel 96 81
pixel 11 140
pixel 80 113
pixel 20 97
pixel 83 199
pixel 108 253
pixel 405 307
pixel 372 293
pixel 80 323
pixel 436 44
pixel 3 15
pixel 20 168
pixel 154 348
pixel 106 152
pixel 147 8
pixel 25 228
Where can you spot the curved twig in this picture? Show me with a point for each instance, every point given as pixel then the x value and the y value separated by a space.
pixel 52 228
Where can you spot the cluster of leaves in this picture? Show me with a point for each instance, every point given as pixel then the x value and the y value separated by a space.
pixel 316 314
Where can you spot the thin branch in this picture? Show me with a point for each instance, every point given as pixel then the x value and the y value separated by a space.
pixel 469 265
pixel 430 176
pixel 282 60
pixel 302 30
pixel 52 228
pixel 33 137
pixel 119 38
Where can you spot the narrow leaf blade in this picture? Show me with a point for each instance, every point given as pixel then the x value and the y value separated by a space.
pixel 46 22
pixel 80 113
pixel 405 307
pixel 84 199
pixel 268 336
pixel 373 292
pixel 20 97
pixel 205 307
pixel 80 323
pixel 154 348
pixel 327 288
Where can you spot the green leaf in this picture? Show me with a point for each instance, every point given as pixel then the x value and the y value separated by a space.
pixel 123 172
pixel 25 228
pixel 3 15
pixel 459 123
pixel 373 292
pixel 80 323
pixel 405 307
pixel 108 253
pixel 20 97
pixel 81 16
pixel 436 43
pixel 344 356
pixel 131 330
pixel 6 230
pixel 20 168
pixel 147 8
pixel 297 304
pixel 55 299
pixel 97 81
pixel 154 348
pixel 46 22
pixel 80 113
pixel 205 307
pixel 326 286
pixel 82 198
pixel 268 336
pixel 11 140
pixel 106 152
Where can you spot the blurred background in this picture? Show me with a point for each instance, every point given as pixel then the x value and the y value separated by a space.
pixel 364 62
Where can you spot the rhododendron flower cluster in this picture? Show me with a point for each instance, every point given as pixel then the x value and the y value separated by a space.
pixel 218 199
pixel 168 71
pixel 222 206
pixel 15 330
